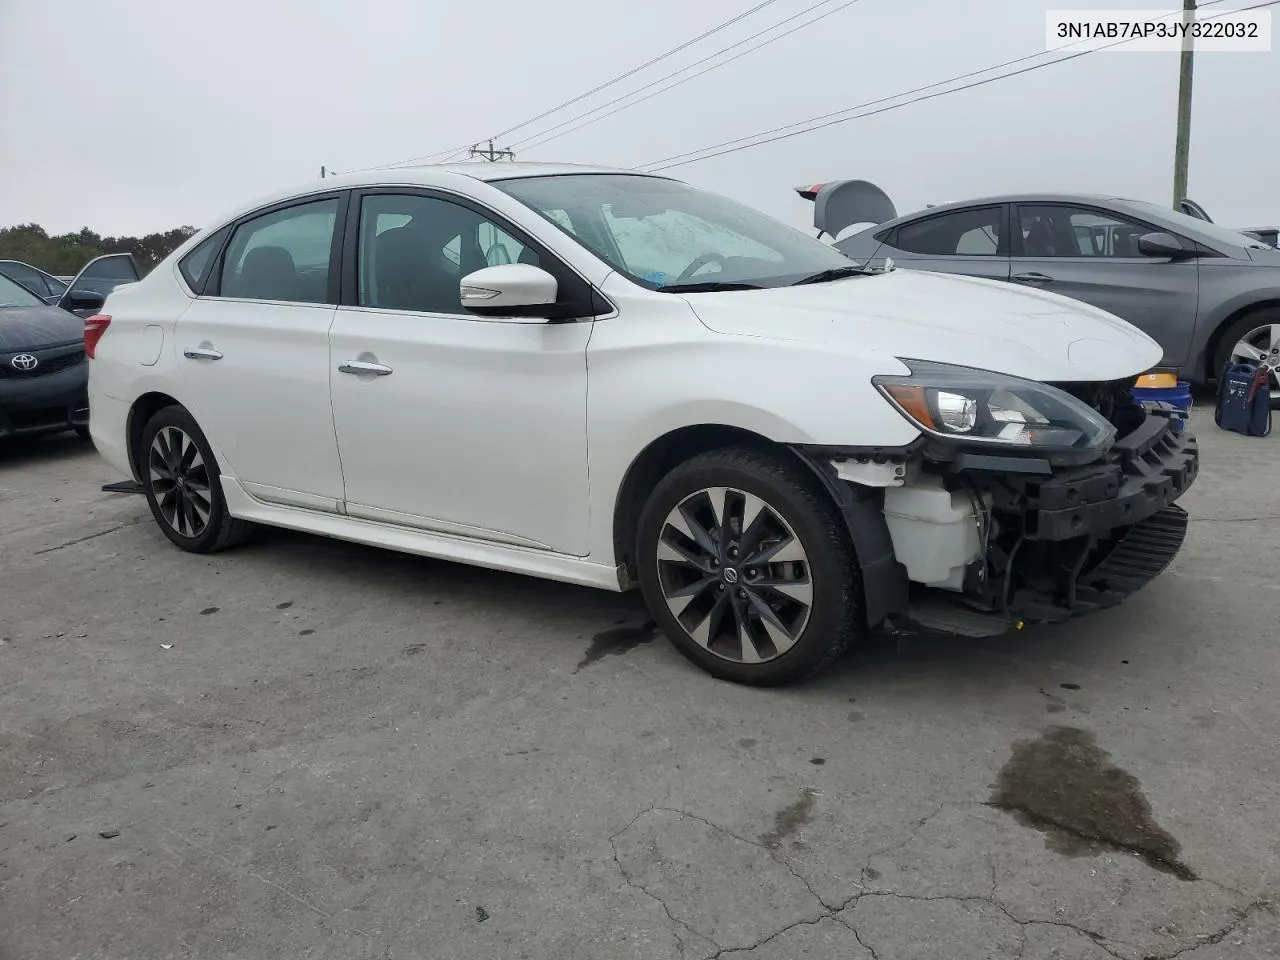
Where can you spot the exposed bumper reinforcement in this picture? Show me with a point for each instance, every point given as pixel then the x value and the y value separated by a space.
pixel 1105 578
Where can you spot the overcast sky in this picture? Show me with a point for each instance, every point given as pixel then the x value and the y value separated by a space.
pixel 130 116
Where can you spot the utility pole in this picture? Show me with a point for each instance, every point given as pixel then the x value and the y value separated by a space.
pixel 491 154
pixel 1182 145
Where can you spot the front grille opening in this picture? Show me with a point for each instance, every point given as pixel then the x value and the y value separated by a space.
pixel 44 366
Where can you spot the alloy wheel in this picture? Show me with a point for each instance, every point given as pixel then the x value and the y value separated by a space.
pixel 734 575
pixel 180 481
pixel 1261 345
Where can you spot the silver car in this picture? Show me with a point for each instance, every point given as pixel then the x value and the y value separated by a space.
pixel 1206 293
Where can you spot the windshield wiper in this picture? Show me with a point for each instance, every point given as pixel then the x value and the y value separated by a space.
pixel 708 286
pixel 837 273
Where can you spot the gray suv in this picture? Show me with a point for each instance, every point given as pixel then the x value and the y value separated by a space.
pixel 1206 293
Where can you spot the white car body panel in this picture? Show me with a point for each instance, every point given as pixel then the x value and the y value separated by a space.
pixel 505 444
pixel 481 429
pixel 984 323
pixel 267 398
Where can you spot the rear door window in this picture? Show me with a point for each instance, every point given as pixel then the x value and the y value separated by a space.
pixel 964 233
pixel 283 255
pixel 195 266
pixel 29 277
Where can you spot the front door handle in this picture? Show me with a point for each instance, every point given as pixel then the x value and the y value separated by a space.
pixel 1032 278
pixel 202 353
pixel 363 368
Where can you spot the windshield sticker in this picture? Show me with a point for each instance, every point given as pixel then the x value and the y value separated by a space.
pixel 657 277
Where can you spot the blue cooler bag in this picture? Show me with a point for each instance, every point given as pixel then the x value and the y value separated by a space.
pixel 1244 400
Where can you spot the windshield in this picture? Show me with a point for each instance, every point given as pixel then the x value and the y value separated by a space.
pixel 15 295
pixel 664 234
pixel 1195 225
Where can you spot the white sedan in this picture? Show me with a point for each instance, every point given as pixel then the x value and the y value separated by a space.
pixel 618 380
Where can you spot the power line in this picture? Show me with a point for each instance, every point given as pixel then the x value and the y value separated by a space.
pixel 461 150
pixel 406 163
pixel 634 70
pixel 812 124
pixel 540 138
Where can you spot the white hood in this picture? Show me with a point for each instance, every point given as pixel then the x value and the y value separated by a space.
pixel 941 317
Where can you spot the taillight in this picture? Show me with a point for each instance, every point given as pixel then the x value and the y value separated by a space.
pixel 94 328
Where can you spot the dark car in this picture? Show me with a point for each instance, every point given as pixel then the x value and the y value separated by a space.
pixel 1206 294
pixel 44 285
pixel 43 374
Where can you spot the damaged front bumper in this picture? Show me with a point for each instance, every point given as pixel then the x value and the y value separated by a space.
pixel 1059 542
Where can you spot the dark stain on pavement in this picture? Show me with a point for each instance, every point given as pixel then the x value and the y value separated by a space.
pixel 284 606
pixel 208 610
pixel 1055 704
pixel 1064 785
pixel 610 643
pixel 790 819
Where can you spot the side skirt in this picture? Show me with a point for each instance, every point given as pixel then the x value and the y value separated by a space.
pixel 495 556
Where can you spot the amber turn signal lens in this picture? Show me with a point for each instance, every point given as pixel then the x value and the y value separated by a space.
pixel 913 403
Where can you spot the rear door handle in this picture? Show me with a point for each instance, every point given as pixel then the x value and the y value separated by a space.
pixel 202 353
pixel 364 369
pixel 1032 278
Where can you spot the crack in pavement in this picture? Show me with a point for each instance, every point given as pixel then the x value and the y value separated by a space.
pixel 93 536
pixel 773 936
pixel 246 872
pixel 857 936
pixel 755 843
pixel 631 882
pixel 1103 942
pixel 1243 914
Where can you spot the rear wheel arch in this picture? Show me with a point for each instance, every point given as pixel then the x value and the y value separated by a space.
pixel 143 409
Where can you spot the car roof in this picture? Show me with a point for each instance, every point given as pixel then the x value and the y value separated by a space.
pixel 435 174
pixel 481 170
pixel 1017 198
pixel 1167 219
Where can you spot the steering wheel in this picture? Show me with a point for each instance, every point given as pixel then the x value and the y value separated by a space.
pixel 698 264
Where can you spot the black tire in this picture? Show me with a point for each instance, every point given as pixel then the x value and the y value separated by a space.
pixel 220 530
pixel 1234 333
pixel 797 498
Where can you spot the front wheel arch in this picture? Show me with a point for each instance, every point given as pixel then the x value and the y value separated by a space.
pixel 654 462
pixel 884 581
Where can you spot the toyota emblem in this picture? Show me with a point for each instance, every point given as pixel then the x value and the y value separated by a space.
pixel 24 362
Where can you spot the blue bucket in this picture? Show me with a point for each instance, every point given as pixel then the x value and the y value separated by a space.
pixel 1178 397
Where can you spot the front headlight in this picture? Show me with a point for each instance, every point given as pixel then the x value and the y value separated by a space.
pixel 979 406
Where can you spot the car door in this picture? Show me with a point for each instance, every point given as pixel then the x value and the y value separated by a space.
pixel 448 421
pixel 972 241
pixel 100 275
pixel 253 351
pixel 1091 254
pixel 31 278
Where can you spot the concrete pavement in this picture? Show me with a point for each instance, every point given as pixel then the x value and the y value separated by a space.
pixel 305 748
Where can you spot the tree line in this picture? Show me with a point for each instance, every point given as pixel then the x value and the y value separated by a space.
pixel 64 254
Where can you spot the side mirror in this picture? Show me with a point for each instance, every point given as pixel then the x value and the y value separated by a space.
pixel 509 290
pixel 82 300
pixel 1161 245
